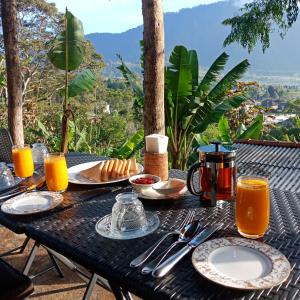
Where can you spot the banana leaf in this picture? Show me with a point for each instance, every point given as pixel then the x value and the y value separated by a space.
pixel 254 131
pixel 74 43
pixel 242 128
pixel 83 82
pixel 228 81
pixel 224 130
pixel 215 115
pixel 179 85
pixel 212 74
pixel 128 149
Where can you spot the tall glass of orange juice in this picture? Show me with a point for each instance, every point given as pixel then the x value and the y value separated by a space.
pixel 252 211
pixel 23 162
pixel 56 172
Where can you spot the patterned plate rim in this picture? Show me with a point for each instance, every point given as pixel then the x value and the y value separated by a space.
pixel 7 208
pixel 89 182
pixel 107 218
pixel 280 265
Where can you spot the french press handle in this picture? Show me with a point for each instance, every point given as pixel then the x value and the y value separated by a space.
pixel 190 182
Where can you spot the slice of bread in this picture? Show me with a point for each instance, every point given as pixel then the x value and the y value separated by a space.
pixel 104 171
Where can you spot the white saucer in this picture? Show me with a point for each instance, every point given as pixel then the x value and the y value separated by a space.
pixel 241 263
pixel 31 203
pixel 103 228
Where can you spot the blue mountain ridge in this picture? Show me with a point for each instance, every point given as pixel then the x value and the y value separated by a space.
pixel 201 28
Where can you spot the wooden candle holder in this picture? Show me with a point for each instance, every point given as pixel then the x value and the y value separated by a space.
pixel 156 164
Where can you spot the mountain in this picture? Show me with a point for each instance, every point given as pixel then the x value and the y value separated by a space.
pixel 201 28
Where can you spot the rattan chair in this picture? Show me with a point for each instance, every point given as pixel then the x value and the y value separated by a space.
pixel 13 284
pixel 5 146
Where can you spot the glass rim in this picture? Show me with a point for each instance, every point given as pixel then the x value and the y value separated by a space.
pixel 251 177
pixel 18 146
pixel 61 154
pixel 124 197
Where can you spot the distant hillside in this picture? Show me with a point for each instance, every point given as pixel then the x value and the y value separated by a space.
pixel 200 28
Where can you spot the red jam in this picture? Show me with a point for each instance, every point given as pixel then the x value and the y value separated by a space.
pixel 145 180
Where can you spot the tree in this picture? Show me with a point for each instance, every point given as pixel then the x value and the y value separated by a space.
pixel 257 21
pixel 13 70
pixel 154 121
pixel 67 54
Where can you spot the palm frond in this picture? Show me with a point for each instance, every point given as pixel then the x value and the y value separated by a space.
pixel 211 75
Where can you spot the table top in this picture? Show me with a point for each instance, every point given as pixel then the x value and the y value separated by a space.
pixel 70 231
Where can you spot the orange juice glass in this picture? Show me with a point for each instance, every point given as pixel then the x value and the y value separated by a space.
pixel 56 172
pixel 23 162
pixel 252 211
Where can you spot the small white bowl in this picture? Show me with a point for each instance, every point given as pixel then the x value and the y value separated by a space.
pixel 171 186
pixel 139 187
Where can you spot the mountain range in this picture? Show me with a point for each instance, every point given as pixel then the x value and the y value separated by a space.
pixel 201 28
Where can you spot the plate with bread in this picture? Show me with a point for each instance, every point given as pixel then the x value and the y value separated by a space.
pixel 104 171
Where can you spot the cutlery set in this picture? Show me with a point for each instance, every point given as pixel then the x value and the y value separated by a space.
pixel 23 188
pixel 190 232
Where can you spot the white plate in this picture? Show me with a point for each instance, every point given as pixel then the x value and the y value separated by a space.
pixel 31 203
pixel 241 264
pixel 75 177
pixel 103 228
pixel 151 194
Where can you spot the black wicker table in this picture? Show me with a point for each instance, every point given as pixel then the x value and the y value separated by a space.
pixel 70 231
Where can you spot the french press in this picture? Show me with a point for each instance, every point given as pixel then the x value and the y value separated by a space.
pixel 217 173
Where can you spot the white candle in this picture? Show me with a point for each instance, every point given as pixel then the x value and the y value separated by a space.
pixel 156 143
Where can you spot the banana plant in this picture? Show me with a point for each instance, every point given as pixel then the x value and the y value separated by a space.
pixel 192 104
pixel 67 53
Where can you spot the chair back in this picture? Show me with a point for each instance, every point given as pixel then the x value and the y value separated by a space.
pixel 5 146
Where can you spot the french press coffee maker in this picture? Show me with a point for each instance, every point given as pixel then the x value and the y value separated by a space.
pixel 217 174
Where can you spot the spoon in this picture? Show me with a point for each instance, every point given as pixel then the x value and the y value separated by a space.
pixel 185 235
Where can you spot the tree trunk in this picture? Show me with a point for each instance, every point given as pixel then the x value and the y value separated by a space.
pixel 154 114
pixel 13 70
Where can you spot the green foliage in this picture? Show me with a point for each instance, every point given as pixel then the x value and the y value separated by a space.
pixel 83 82
pixel 254 131
pixel 192 105
pixel 224 130
pixel 257 20
pixel 72 39
pixel 131 146
pixel 286 131
pixel 132 81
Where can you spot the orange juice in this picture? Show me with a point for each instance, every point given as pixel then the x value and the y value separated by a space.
pixel 23 163
pixel 252 206
pixel 56 172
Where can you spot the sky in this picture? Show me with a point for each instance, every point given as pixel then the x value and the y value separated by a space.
pixel 116 15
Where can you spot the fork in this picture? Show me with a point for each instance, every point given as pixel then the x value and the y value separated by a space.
pixel 149 267
pixel 145 255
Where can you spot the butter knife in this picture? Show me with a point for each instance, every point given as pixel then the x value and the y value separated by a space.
pixel 162 269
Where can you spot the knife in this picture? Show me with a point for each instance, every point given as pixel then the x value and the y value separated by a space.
pixel 162 269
